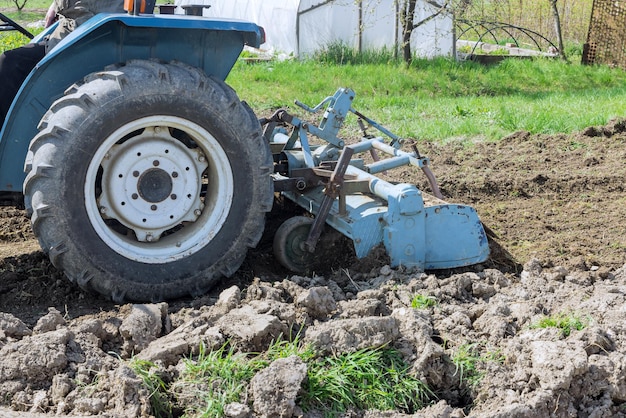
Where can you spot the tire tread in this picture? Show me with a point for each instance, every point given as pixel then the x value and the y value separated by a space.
pixel 53 141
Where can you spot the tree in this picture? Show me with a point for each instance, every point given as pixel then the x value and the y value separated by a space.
pixel 557 28
pixel 407 16
pixel 19 4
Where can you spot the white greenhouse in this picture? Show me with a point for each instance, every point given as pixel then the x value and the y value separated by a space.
pixel 301 27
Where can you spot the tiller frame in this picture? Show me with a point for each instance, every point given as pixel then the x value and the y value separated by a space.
pixel 418 230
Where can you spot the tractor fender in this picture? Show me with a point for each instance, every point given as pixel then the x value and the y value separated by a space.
pixel 212 45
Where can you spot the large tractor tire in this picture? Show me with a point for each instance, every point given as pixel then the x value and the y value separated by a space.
pixel 148 182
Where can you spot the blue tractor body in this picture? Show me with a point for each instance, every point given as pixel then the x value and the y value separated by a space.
pixel 210 44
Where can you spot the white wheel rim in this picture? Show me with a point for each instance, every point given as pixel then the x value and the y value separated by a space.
pixel 150 206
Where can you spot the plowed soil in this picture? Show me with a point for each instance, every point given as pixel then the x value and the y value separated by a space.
pixel 555 210
pixel 560 199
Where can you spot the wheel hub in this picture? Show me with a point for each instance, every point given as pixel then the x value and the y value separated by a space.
pixel 155 185
pixel 151 183
pixel 289 244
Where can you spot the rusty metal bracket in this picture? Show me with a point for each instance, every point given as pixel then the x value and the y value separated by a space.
pixel 332 191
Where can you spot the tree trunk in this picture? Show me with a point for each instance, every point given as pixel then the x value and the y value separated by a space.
pixel 407 19
pixel 408 12
pixel 557 28
pixel 19 4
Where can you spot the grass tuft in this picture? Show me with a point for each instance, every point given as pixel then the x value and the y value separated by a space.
pixel 213 380
pixel 420 301
pixel 339 53
pixel 566 323
pixel 219 377
pixel 366 379
pixel 159 399
pixel 469 360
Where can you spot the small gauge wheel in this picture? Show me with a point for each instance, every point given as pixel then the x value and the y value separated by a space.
pixel 289 245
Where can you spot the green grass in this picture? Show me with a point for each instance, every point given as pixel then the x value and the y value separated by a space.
pixel 566 323
pixel 469 359
pixel 342 54
pixel 14 39
pixel 30 5
pixel 420 301
pixel 444 100
pixel 213 380
pixel 25 17
pixel 33 11
pixel 11 40
pixel 466 360
pixel 367 379
pixel 157 388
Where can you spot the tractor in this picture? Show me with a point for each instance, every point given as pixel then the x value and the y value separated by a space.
pixel 146 178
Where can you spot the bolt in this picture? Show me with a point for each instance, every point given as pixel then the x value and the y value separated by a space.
pixel 149 237
pixel 173 196
pixel 178 244
pixel 197 212
pixel 153 207
pixel 103 209
pixel 135 173
pixel 201 158
pixel 135 196
pixel 157 129
pixel 107 156
pixel 175 174
pixel 155 163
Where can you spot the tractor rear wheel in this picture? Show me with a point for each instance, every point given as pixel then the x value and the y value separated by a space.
pixel 148 181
